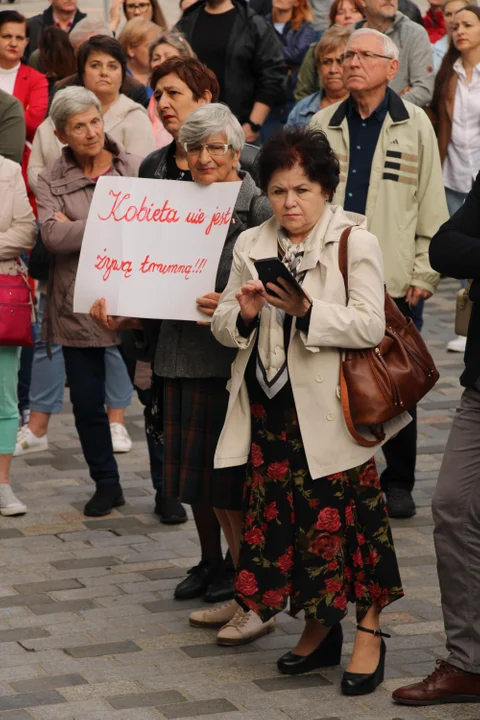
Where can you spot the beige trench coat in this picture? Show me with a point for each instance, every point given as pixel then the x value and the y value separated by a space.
pixel 17 223
pixel 313 359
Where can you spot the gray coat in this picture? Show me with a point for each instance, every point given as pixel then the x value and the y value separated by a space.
pixel 186 349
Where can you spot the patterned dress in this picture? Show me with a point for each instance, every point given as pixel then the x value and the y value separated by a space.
pixel 319 543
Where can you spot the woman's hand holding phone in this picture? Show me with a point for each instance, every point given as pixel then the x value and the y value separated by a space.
pixel 252 297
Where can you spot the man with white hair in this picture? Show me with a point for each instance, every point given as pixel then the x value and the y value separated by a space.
pixel 389 171
pixel 415 77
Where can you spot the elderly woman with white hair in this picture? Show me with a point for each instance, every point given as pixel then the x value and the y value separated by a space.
pixel 64 193
pixel 195 368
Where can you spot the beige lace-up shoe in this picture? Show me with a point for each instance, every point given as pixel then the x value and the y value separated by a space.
pixel 214 617
pixel 243 628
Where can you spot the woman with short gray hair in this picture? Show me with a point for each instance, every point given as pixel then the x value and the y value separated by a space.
pixel 213 119
pixel 64 194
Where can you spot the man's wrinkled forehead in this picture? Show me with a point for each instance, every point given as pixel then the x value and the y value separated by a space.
pixel 366 43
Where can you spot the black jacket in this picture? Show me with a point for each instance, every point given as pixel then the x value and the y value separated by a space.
pixel 255 69
pixel 455 251
pixel 38 23
pixel 411 10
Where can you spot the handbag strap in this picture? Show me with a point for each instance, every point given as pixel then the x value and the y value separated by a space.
pixel 343 265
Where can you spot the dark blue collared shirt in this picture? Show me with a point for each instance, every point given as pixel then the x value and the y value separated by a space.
pixel 364 134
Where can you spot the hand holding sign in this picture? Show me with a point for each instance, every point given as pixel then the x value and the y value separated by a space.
pixel 151 248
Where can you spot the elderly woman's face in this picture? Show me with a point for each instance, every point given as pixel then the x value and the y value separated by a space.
pixel 161 53
pixel 297 202
pixel 103 74
pixel 84 133
pixel 330 70
pixel 175 102
pixel 212 160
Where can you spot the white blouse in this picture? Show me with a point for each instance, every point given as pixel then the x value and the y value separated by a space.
pixel 462 162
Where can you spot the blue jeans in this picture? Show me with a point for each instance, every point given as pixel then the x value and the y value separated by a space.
pixel 48 376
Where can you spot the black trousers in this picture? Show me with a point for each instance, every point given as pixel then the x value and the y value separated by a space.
pixel 85 369
pixel 401 451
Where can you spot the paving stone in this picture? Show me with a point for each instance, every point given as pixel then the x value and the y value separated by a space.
pixel 113 523
pixel 47 683
pixel 8 533
pixel 168 605
pixel 9 601
pixel 33 699
pixel 23 634
pixel 203 651
pixel 60 607
pixel 113 648
pixel 16 715
pixel 79 564
pixel 293 682
pixel 123 702
pixel 199 707
pixel 48 586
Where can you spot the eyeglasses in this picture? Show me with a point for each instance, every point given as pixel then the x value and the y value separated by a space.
pixel 137 6
pixel 364 56
pixel 213 149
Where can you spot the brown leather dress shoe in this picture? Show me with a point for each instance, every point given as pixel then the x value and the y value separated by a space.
pixel 447 684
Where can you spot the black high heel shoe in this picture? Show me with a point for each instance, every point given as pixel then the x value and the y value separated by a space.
pixel 366 683
pixel 328 653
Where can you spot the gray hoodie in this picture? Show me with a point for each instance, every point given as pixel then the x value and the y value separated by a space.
pixel 416 60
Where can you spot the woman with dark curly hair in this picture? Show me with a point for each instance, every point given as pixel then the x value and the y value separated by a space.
pixel 316 530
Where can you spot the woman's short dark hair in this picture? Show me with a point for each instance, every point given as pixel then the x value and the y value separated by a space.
pixel 192 72
pixel 309 148
pixel 56 53
pixel 103 44
pixel 12 16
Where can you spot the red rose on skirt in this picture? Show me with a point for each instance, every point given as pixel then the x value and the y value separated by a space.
pixel 329 520
pixel 285 563
pixel 369 477
pixel 271 511
pixel 257 480
pixel 257 410
pixel 340 602
pixel 325 546
pixel 249 519
pixel 348 574
pixel 245 584
pixel 349 519
pixel 357 558
pixel 273 598
pixel 254 536
pixel 283 436
pixel 359 590
pixel 278 470
pixel 333 586
pixel 361 539
pixel 251 604
pixel 257 455
pixel 373 558
pixel 332 565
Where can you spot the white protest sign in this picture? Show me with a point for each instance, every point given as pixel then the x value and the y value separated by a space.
pixel 151 247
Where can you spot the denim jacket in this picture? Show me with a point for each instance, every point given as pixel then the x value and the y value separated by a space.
pixel 304 110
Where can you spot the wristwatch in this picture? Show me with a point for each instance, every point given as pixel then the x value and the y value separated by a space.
pixel 255 126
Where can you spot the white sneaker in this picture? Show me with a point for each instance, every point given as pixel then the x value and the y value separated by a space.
pixel 9 504
pixel 457 345
pixel 243 628
pixel 121 440
pixel 28 443
pixel 215 617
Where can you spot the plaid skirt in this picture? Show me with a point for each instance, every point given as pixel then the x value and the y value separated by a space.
pixel 194 412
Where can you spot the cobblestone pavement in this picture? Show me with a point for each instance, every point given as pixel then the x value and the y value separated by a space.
pixel 89 630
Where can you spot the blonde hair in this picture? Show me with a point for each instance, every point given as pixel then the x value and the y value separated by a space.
pixel 176 40
pixel 137 31
pixel 333 38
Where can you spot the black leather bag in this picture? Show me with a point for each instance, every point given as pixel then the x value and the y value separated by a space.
pixel 39 261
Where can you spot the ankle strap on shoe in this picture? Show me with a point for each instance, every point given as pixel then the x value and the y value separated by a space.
pixel 377 633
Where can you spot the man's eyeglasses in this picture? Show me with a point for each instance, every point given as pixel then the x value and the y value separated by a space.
pixel 131 7
pixel 364 56
pixel 213 149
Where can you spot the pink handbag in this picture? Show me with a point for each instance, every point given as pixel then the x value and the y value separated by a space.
pixel 15 311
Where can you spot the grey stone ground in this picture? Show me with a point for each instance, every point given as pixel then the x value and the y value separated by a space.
pixel 89 630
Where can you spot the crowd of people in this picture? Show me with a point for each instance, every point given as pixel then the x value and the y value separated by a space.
pixel 351 116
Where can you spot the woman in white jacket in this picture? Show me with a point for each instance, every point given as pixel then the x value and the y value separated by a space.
pixel 316 530
pixel 17 232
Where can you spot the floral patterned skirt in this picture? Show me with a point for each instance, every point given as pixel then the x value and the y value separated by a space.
pixel 318 543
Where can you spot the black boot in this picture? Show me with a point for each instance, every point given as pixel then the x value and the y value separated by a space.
pixel 105 498
pixel 171 510
pixel 366 683
pixel 196 583
pixel 327 654
pixel 400 503
pixel 221 587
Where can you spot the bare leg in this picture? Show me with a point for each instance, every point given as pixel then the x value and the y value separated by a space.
pixel 231 522
pixel 38 423
pixel 5 462
pixel 116 415
pixel 313 635
pixel 366 649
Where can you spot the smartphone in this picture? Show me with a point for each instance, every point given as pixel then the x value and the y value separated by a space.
pixel 270 269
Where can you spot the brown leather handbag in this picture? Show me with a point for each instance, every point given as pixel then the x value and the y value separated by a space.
pixel 376 384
